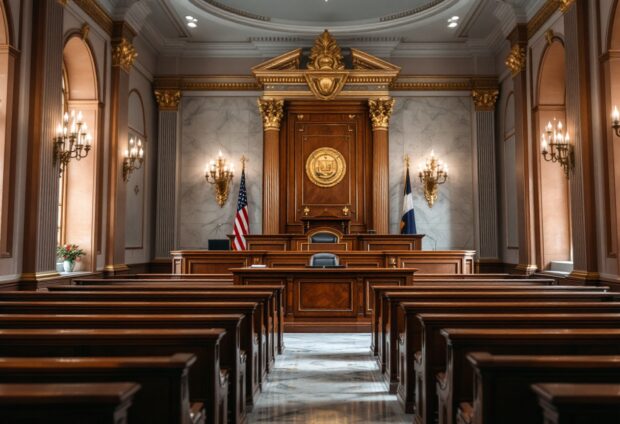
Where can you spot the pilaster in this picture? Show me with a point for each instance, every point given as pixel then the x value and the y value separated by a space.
pixel 272 111
pixel 380 113
pixel 168 131
pixel 39 251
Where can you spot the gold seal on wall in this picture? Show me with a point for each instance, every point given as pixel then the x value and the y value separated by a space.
pixel 326 167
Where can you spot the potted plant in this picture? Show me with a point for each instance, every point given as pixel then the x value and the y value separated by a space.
pixel 69 253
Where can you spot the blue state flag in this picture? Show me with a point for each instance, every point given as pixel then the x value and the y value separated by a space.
pixel 407 222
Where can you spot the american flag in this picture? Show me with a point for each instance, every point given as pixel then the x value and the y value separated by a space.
pixel 242 224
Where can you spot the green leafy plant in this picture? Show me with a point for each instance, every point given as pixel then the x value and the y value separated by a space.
pixel 69 252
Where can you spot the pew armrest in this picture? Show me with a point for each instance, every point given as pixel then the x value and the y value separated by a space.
pixel 417 357
pixel 441 380
pixel 197 413
pixel 465 414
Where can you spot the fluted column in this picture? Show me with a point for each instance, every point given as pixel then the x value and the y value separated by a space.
pixel 123 56
pixel 168 130
pixel 484 102
pixel 516 61
pixel 272 111
pixel 578 117
pixel 380 113
pixel 39 252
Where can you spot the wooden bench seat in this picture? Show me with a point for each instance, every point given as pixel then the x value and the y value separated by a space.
pixel 391 300
pixel 207 382
pixel 431 358
pixel 410 335
pixel 98 403
pixel 579 403
pixel 502 383
pixel 248 309
pixel 377 291
pixel 160 377
pixel 189 285
pixel 454 385
pixel 263 317
pixel 231 357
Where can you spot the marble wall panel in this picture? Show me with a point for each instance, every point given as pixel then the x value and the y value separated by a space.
pixel 208 125
pixel 442 124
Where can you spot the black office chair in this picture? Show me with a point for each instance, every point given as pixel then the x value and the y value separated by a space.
pixel 324 237
pixel 324 260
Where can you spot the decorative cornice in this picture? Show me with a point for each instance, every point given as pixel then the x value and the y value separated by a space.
pixel 272 111
pixel 123 55
pixel 542 16
pixel 484 100
pixel 380 112
pixel 97 14
pixel 516 60
pixel 168 100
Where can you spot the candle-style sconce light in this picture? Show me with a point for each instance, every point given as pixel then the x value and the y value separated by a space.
pixel 433 173
pixel 556 146
pixel 72 140
pixel 134 157
pixel 615 121
pixel 220 175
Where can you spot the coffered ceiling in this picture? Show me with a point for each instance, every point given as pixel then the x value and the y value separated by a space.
pixel 264 28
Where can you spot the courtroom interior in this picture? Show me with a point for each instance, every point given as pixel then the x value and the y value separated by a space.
pixel 309 211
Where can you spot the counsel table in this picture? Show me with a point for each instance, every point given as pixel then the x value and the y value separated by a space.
pixel 326 298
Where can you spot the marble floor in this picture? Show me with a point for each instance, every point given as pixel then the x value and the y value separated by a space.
pixel 326 379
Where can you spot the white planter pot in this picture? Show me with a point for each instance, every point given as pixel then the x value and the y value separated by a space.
pixel 68 266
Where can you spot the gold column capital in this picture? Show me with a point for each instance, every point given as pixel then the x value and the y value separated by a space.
pixel 380 112
pixel 516 60
pixel 123 55
pixel 168 99
pixel 564 5
pixel 485 98
pixel 272 111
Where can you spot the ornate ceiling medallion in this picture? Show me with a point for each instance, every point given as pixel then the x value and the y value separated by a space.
pixel 326 167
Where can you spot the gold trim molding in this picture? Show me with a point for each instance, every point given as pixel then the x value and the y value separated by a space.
pixel 272 111
pixel 97 14
pixel 484 100
pixel 380 112
pixel 516 60
pixel 564 5
pixel 123 55
pixel 168 100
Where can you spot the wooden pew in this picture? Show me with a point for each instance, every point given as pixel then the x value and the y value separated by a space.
pixel 502 383
pixel 410 336
pixel 248 309
pixel 263 318
pixel 100 403
pixel 207 382
pixel 163 397
pixel 579 403
pixel 230 357
pixel 391 300
pixel 167 285
pixel 431 358
pixel 376 297
pixel 493 276
pixel 454 385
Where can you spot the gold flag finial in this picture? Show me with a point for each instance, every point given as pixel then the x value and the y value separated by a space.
pixel 243 161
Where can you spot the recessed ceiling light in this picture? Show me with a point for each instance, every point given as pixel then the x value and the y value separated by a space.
pixel 192 24
pixel 189 18
pixel 454 18
pixel 453 25
pixel 453 22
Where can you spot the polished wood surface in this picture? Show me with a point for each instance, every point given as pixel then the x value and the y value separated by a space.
pixel 341 125
pixel 332 296
pixel 349 242
pixel 220 262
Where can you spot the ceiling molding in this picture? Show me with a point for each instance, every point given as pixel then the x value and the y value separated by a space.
pixel 97 14
pixel 543 14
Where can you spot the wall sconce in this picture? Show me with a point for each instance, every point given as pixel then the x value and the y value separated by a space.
pixel 615 121
pixel 432 175
pixel 220 175
pixel 134 157
pixel 556 146
pixel 72 140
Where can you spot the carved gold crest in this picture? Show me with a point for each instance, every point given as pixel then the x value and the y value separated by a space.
pixel 326 167
pixel 326 75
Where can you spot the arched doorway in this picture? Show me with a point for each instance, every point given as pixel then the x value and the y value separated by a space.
pixel 78 194
pixel 8 80
pixel 554 241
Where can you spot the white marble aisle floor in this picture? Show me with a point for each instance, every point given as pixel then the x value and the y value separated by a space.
pixel 326 379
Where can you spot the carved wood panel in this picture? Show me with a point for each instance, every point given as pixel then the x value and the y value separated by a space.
pixel 342 126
